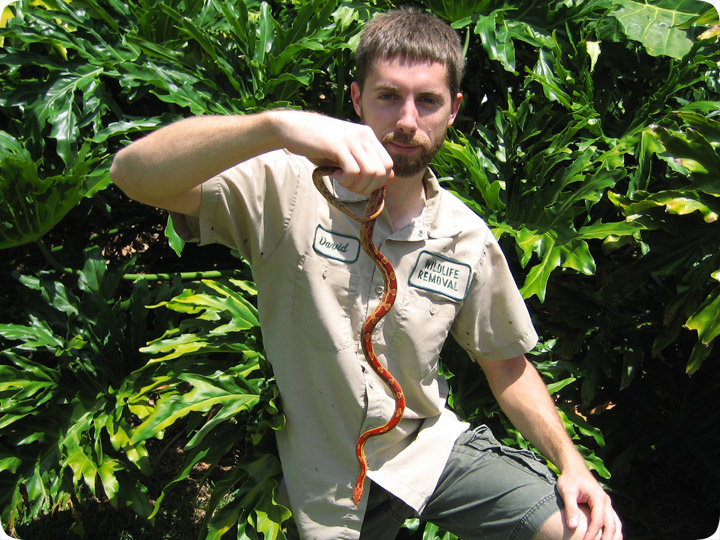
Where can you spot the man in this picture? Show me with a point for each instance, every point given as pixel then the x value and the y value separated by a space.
pixel 246 182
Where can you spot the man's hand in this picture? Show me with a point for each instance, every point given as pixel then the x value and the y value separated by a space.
pixel 523 396
pixel 580 488
pixel 364 164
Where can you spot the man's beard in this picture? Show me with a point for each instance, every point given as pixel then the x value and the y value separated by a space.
pixel 410 165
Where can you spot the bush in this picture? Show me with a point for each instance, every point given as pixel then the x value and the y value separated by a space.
pixel 588 140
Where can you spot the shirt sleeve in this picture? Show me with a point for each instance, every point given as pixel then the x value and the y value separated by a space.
pixel 494 323
pixel 247 207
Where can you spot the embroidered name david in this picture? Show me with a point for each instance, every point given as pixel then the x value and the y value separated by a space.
pixel 436 273
pixel 336 246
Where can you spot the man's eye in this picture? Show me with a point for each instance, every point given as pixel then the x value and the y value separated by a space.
pixel 429 101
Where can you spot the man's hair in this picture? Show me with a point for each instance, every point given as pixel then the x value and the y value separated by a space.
pixel 413 35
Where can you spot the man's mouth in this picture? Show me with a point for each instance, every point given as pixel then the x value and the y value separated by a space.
pixel 402 144
pixel 402 148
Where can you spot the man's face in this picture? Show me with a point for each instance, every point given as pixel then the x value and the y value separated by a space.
pixel 409 107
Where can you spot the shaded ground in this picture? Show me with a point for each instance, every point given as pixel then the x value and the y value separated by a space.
pixel 664 507
pixel 180 517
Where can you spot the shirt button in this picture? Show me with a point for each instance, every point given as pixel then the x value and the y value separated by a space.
pixel 379 290
pixel 325 274
pixel 433 310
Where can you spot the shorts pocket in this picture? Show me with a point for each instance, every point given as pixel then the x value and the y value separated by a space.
pixel 483 439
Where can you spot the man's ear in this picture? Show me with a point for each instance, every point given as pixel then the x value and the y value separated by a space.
pixel 455 108
pixel 355 93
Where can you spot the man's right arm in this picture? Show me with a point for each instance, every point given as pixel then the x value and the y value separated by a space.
pixel 167 167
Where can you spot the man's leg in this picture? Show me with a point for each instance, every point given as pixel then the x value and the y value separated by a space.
pixel 555 527
pixel 489 491
pixel 384 516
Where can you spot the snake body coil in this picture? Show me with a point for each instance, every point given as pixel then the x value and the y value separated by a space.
pixel 367 226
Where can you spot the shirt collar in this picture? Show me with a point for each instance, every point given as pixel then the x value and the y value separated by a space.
pixel 438 219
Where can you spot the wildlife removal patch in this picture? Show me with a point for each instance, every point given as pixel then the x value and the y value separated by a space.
pixel 436 273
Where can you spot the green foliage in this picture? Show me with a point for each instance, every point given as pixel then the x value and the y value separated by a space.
pixel 594 159
pixel 77 77
pixel 30 205
pixel 64 385
pixel 569 169
pixel 227 402
pixel 72 425
pixel 588 140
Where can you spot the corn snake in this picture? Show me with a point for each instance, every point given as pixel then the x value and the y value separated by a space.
pixel 374 207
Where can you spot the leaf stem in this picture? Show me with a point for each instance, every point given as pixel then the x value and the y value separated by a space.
pixel 209 274
pixel 51 260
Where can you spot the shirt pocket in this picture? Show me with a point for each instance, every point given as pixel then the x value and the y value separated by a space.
pixel 323 298
pixel 420 325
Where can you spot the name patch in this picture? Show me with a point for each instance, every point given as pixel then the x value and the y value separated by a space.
pixel 436 273
pixel 336 246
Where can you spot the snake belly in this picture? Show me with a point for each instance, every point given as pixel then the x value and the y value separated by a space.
pixel 372 211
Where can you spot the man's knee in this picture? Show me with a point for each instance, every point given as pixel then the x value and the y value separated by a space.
pixel 555 528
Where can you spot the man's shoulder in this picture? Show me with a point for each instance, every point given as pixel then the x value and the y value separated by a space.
pixel 466 216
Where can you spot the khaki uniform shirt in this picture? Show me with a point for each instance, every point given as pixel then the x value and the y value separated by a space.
pixel 315 288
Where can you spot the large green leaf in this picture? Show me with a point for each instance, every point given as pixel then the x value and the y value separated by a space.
pixel 31 205
pixel 656 25
pixel 692 154
pixel 206 394
pixel 205 333
pixel 706 321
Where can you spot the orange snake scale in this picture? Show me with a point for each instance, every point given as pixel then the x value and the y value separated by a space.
pixel 367 226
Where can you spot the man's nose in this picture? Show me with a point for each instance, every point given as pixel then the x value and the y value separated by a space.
pixel 407 118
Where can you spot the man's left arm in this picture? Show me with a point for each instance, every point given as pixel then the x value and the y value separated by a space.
pixel 524 398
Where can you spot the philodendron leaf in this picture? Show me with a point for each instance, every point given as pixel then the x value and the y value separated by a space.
pixel 656 26
pixel 174 240
pixel 205 395
pixel 56 106
pixel 31 205
pixel 706 320
pixel 694 155
pixel 537 278
pixel 269 515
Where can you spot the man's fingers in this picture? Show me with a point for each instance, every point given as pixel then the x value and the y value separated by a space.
pixel 618 527
pixel 598 520
pixel 572 514
pixel 593 530
pixel 365 163
pixel 612 527
pixel 569 495
pixel 363 170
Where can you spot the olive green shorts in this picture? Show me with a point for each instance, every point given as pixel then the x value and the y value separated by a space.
pixel 487 491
